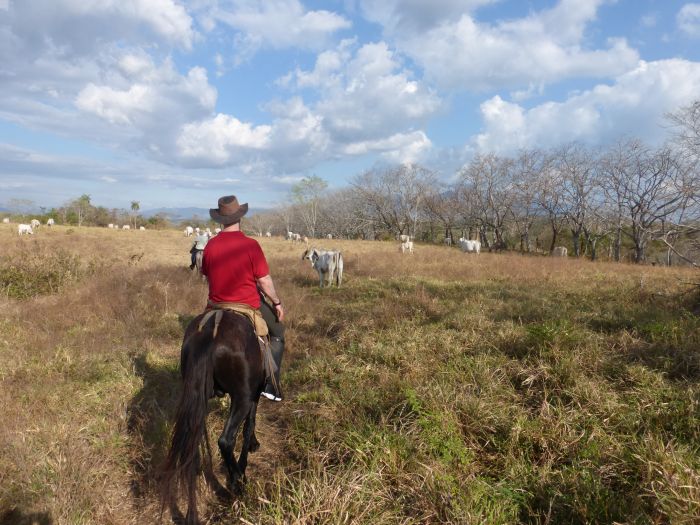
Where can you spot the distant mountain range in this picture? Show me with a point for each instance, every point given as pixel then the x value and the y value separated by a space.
pixel 178 214
pixel 181 214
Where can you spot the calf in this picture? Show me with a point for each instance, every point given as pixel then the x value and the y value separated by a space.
pixel 560 251
pixel 327 263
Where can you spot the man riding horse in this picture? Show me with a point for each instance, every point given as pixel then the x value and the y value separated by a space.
pixel 238 273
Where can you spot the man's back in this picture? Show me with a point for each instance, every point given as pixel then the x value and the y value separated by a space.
pixel 232 263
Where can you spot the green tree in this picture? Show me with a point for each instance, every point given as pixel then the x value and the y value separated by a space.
pixel 82 208
pixel 307 194
pixel 135 207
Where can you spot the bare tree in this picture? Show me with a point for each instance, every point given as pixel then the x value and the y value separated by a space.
pixel 394 196
pixel 651 192
pixel 488 180
pixel 526 171
pixel 306 194
pixel 686 124
pixel 443 204
pixel 550 200
pixel 577 168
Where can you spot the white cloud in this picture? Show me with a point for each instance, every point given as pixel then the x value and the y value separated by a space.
pixel 417 15
pixel 79 26
pixel 275 24
pixel 634 104
pixel 459 52
pixel 688 19
pixel 149 104
pixel 401 147
pixel 368 95
pixel 364 102
pixel 649 20
pixel 217 141
pixel 288 179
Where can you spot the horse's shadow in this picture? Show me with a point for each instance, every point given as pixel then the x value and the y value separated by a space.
pixel 151 413
pixel 17 517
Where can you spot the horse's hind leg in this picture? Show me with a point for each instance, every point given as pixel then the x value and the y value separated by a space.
pixel 227 441
pixel 248 436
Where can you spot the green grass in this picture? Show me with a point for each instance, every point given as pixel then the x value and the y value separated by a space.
pixel 494 390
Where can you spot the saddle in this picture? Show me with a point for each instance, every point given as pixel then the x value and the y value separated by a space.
pixel 216 310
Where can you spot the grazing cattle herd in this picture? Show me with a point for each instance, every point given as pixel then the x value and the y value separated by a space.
pixel 327 263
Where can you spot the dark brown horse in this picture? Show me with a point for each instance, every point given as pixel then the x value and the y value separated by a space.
pixel 220 353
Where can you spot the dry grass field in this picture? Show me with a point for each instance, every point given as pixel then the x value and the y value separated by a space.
pixel 431 388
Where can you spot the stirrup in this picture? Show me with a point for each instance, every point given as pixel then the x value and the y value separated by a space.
pixel 272 396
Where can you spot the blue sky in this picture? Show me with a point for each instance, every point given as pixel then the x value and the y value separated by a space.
pixel 174 103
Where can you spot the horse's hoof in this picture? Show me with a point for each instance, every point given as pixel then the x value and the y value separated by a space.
pixel 236 487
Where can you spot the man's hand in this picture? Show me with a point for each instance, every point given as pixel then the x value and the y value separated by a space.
pixel 280 312
pixel 268 288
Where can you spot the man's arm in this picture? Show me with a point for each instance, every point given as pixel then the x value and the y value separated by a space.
pixel 267 286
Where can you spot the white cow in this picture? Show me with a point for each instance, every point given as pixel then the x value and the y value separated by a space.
pixel 142 228
pixel 329 236
pixel 126 227
pixel 294 237
pixel 189 231
pixel 469 246
pixel 447 241
pixel 50 221
pixel 6 220
pixel 404 238
pixel 34 223
pixel 328 264
pixel 268 234
pixel 23 229
pixel 110 226
pixel 406 246
pixel 560 251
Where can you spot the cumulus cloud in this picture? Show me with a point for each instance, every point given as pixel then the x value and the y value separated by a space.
pixel 459 52
pixel 417 15
pixel 61 57
pixel 77 26
pixel 217 140
pixel 149 103
pixel 367 94
pixel 365 102
pixel 634 104
pixel 688 19
pixel 275 24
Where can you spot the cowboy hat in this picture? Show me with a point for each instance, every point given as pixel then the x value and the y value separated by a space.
pixel 229 211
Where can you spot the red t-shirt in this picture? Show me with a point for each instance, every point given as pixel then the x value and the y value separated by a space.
pixel 232 263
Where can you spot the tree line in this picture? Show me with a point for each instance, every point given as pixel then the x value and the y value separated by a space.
pixel 628 196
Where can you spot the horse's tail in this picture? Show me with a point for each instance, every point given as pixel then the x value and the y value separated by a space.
pixel 182 464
